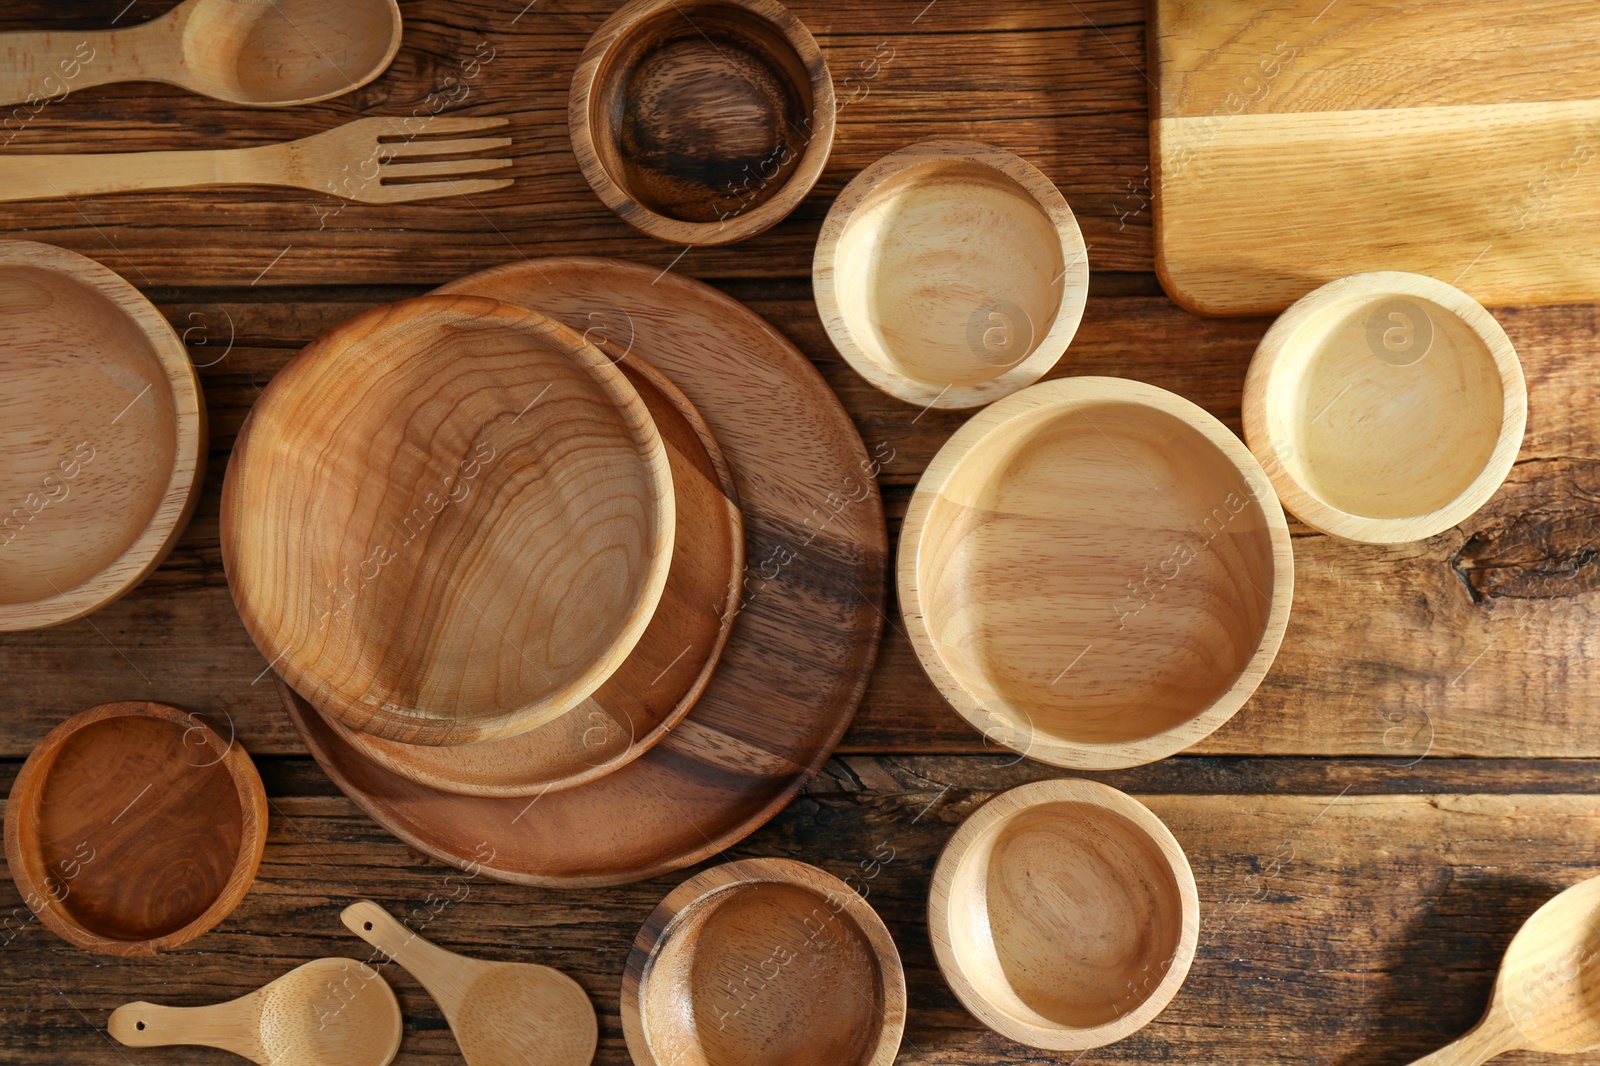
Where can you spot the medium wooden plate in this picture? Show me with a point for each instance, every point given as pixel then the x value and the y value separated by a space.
pixel 102 434
pixel 797 662
pixel 667 670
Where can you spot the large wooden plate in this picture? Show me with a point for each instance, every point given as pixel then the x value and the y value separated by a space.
pixel 797 661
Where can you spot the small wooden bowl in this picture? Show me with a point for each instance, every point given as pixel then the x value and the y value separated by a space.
pixel 1064 915
pixel 447 520
pixel 667 670
pixel 1386 407
pixel 763 961
pixel 133 828
pixel 702 122
pixel 1095 572
pixel 102 436
pixel 950 274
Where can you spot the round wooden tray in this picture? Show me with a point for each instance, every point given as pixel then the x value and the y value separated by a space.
pixel 102 436
pixel 764 960
pixel 796 664
pixel 133 828
pixel 667 670
pixel 447 520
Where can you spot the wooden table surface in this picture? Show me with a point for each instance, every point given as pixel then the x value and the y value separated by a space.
pixel 1414 778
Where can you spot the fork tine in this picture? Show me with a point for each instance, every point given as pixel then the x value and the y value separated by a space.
pixel 432 190
pixel 419 127
pixel 445 168
pixel 464 146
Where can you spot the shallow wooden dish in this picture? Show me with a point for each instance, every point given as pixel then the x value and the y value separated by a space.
pixel 702 122
pixel 447 520
pixel 1064 915
pixel 950 274
pixel 666 671
pixel 763 962
pixel 1095 572
pixel 1387 407
pixel 801 650
pixel 133 828
pixel 102 430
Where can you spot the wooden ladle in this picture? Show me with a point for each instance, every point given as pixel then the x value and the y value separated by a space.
pixel 262 53
pixel 329 1010
pixel 1547 997
pixel 503 1013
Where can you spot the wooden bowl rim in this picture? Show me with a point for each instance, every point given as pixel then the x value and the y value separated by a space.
pixel 181 494
pixel 379 752
pixel 1050 348
pixel 1297 496
pixel 623 22
pixel 27 792
pixel 1067 393
pixel 584 358
pixel 1005 807
pixel 710 888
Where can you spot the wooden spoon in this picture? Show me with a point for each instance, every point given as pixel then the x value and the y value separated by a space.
pixel 1547 997
pixel 329 1010
pixel 503 1013
pixel 262 53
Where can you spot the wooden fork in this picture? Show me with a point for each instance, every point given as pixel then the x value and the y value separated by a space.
pixel 351 161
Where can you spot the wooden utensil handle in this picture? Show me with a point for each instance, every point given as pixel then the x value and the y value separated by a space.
pixel 1482 1043
pixel 38 68
pixel 429 964
pixel 46 177
pixel 220 1025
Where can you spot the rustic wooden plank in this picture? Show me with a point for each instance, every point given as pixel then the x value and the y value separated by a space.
pixel 1327 920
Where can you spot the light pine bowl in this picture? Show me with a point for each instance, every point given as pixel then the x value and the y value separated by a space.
pixel 1386 407
pixel 102 436
pixel 447 520
pixel 1095 572
pixel 950 274
pixel 1064 915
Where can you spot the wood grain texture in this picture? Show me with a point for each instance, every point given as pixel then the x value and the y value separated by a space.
pixel 1294 146
pixel 134 828
pixel 449 520
pixel 89 370
pixel 326 1010
pixel 764 960
pixel 702 124
pixel 667 670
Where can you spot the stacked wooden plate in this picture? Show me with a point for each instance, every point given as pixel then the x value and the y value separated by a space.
pixel 496 561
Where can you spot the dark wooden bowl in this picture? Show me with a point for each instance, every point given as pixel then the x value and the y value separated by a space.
pixel 702 122
pixel 134 827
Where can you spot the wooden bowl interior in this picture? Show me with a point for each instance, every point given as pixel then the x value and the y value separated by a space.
pixel 1385 437
pixel 701 111
pixel 1097 572
pixel 1065 915
pixel 267 51
pixel 88 432
pixel 816 999
pixel 139 830
pixel 949 273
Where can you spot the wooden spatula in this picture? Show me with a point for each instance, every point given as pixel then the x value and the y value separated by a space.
pixel 503 1013
pixel 329 1010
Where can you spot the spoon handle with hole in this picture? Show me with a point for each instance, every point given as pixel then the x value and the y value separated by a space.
pixel 38 68
pixel 222 1025
pixel 1485 1041
pixel 441 972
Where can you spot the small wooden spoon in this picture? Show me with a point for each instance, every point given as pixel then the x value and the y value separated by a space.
pixel 262 53
pixel 1547 997
pixel 329 1010
pixel 503 1013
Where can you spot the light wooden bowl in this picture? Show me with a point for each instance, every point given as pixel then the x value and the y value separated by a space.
pixel 133 828
pixel 667 670
pixel 763 961
pixel 1064 915
pixel 447 520
pixel 950 274
pixel 1095 572
pixel 1387 407
pixel 703 122
pixel 102 436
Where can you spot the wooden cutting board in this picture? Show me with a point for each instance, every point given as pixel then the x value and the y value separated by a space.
pixel 1296 142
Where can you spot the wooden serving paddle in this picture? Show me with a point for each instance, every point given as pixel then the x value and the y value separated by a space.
pixel 503 1013
pixel 329 1010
